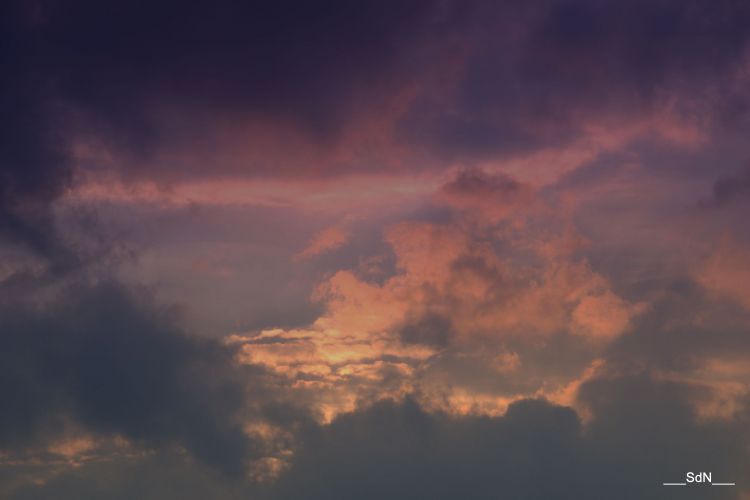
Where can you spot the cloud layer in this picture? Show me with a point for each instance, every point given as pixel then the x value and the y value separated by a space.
pixel 431 249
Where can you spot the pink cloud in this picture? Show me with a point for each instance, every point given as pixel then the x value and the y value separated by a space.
pixel 326 240
pixel 726 272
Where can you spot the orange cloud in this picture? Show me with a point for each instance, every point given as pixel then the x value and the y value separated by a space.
pixel 326 240
pixel 355 349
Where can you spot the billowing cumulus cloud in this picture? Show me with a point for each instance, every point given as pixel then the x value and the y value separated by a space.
pixel 464 318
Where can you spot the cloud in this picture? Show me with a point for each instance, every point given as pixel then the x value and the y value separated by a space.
pixel 161 476
pixel 469 320
pixel 298 91
pixel 325 241
pixel 642 434
pixel 209 78
pixel 604 315
pixel 533 77
pixel 731 188
pixel 34 163
pixel 727 272
pixel 102 360
pixel 521 174
pixel 490 197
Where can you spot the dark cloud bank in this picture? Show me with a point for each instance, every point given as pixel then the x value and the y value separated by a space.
pixel 105 360
pixel 643 433
pixel 496 77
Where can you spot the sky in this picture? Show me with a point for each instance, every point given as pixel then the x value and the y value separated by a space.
pixel 328 250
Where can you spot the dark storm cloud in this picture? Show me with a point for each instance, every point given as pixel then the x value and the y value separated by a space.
pixel 34 168
pixel 162 476
pixel 644 429
pixel 493 77
pixel 643 433
pixel 107 71
pixel 536 73
pixel 297 61
pixel 682 330
pixel 116 366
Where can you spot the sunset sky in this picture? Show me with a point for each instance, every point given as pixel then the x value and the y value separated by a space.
pixel 374 250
